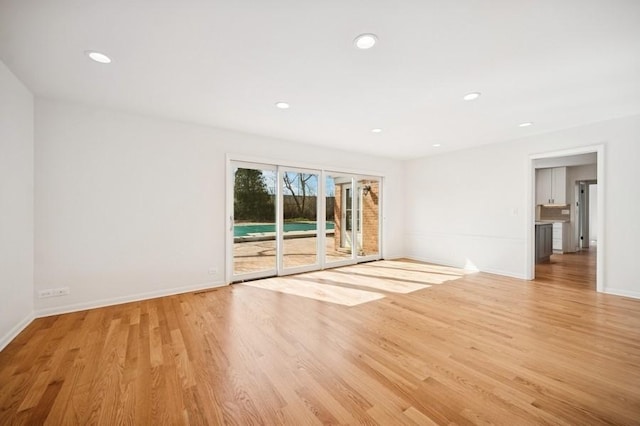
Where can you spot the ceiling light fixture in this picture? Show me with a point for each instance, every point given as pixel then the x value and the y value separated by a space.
pixel 365 41
pixel 98 57
pixel 525 124
pixel 436 145
pixel 283 105
pixel 376 130
pixel 471 96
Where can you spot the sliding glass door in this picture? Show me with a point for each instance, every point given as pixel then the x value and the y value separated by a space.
pixel 368 218
pixel 285 220
pixel 254 221
pixel 299 224
pixel 338 248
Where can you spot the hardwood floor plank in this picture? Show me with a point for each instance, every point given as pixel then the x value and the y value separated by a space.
pixel 441 347
pixel 418 417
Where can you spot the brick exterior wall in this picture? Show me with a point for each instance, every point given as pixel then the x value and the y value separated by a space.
pixel 337 235
pixel 370 217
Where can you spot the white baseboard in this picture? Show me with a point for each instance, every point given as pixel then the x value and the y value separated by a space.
pixel 65 309
pixel 389 256
pixel 7 338
pixel 486 270
pixel 620 292
pixel 433 261
pixel 505 273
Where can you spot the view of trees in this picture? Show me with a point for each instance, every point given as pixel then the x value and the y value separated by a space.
pixel 252 199
pixel 301 187
pixel 254 196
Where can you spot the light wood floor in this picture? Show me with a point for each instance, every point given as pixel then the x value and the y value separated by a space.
pixel 477 349
pixel 577 270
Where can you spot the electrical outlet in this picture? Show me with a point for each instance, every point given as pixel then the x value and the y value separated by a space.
pixel 62 291
pixel 45 293
pixel 213 271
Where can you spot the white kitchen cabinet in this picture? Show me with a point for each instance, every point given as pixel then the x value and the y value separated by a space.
pixel 543 186
pixel 551 186
pixel 559 185
pixel 560 237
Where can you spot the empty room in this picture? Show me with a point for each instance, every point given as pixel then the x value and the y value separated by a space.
pixel 340 212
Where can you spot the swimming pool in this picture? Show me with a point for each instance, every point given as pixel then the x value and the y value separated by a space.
pixel 245 230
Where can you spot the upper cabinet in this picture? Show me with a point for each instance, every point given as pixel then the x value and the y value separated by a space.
pixel 551 186
pixel 559 185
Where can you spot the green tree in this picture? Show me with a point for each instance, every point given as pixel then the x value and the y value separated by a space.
pixel 252 200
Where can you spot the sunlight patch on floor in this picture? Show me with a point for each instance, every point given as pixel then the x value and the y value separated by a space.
pixel 419 267
pixel 322 292
pixel 335 285
pixel 385 284
pixel 427 274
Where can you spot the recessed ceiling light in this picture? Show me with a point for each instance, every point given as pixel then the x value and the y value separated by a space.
pixel 435 145
pixel 376 130
pixel 283 105
pixel 526 124
pixel 98 57
pixel 365 41
pixel 471 96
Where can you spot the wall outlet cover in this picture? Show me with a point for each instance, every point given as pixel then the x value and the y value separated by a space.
pixel 45 293
pixel 62 291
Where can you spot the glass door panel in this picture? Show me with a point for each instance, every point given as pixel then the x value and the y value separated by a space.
pixel 368 217
pixel 299 219
pixel 338 214
pixel 254 221
pixel 284 220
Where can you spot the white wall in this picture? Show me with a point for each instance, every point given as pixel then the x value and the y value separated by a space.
pixel 578 173
pixel 16 206
pixel 466 208
pixel 566 161
pixel 470 205
pixel 129 207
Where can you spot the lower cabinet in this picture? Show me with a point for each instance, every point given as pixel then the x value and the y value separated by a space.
pixel 560 237
pixel 544 242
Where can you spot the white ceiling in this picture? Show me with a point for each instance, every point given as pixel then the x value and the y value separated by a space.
pixel 225 63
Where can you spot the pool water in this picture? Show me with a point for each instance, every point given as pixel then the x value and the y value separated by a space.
pixel 245 230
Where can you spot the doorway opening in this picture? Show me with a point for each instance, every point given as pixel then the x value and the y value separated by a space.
pixel 586 233
pixel 566 240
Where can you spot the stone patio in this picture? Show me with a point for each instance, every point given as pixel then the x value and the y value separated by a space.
pixel 253 256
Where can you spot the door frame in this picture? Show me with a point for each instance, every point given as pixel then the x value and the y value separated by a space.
pixel 531 210
pixel 359 231
pixel 229 182
pixel 583 212
pixel 282 269
pixel 347 234
pixel 351 177
pixel 231 158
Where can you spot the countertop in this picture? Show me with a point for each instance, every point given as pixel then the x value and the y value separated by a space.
pixel 546 222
